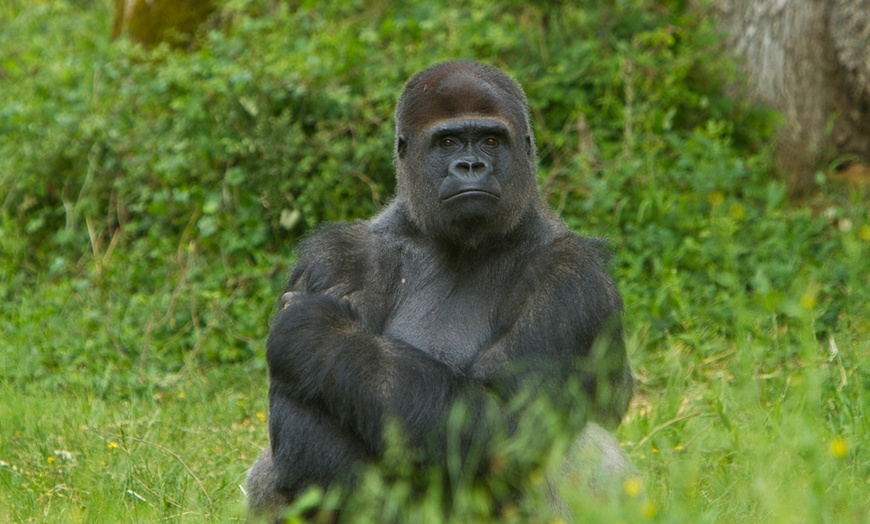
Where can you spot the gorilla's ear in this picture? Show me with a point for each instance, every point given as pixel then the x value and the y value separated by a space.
pixel 529 148
pixel 401 145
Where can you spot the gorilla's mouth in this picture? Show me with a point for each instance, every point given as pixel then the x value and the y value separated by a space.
pixel 472 194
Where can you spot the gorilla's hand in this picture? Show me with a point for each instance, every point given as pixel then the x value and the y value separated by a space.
pixel 288 298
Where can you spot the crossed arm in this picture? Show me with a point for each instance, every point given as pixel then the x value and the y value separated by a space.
pixel 320 353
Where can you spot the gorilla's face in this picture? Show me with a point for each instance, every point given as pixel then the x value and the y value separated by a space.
pixel 464 155
pixel 472 180
pixel 465 160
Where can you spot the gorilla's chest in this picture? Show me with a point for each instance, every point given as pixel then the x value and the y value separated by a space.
pixel 447 313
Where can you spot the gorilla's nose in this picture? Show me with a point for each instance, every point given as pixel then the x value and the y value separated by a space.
pixel 469 167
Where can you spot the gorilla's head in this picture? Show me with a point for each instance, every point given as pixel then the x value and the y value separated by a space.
pixel 465 154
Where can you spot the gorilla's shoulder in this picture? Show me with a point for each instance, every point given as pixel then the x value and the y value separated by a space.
pixel 339 238
pixel 579 261
pixel 564 243
pixel 594 249
pixel 591 271
pixel 332 256
pixel 393 224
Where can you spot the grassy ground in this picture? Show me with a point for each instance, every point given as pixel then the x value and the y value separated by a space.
pixel 177 453
pixel 110 439
pixel 760 420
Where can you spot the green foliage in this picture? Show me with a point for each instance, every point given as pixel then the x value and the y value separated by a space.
pixel 269 134
pixel 149 201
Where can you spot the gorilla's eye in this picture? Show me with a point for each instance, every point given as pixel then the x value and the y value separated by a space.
pixel 448 142
pixel 491 142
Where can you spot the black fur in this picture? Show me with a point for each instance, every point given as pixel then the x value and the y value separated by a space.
pixel 437 299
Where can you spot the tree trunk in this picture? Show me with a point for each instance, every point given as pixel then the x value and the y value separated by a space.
pixel 849 27
pixel 809 60
pixel 151 22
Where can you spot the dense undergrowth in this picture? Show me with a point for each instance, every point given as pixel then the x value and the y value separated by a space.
pixel 150 201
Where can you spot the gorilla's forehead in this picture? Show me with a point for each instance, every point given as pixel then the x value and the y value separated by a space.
pixel 459 95
pixel 462 94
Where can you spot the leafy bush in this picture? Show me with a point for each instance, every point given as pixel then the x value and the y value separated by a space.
pixel 259 133
pixel 280 119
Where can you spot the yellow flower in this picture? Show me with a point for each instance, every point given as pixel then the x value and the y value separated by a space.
pixel 261 416
pixel 49 459
pixel 715 198
pixel 839 447
pixel 632 486
pixel 737 212
pixel 181 394
pixel 509 511
pixel 678 447
pixel 808 300
pixel 537 477
pixel 113 445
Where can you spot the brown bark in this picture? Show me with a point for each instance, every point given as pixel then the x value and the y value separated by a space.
pixel 849 27
pixel 808 60
pixel 151 22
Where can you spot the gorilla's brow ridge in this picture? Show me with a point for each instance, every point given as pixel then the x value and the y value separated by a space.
pixel 473 122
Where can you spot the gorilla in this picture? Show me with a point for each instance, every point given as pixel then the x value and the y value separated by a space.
pixel 465 288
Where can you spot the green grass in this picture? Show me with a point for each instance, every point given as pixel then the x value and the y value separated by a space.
pixel 98 423
pixel 767 424
pixel 143 243
pixel 175 452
